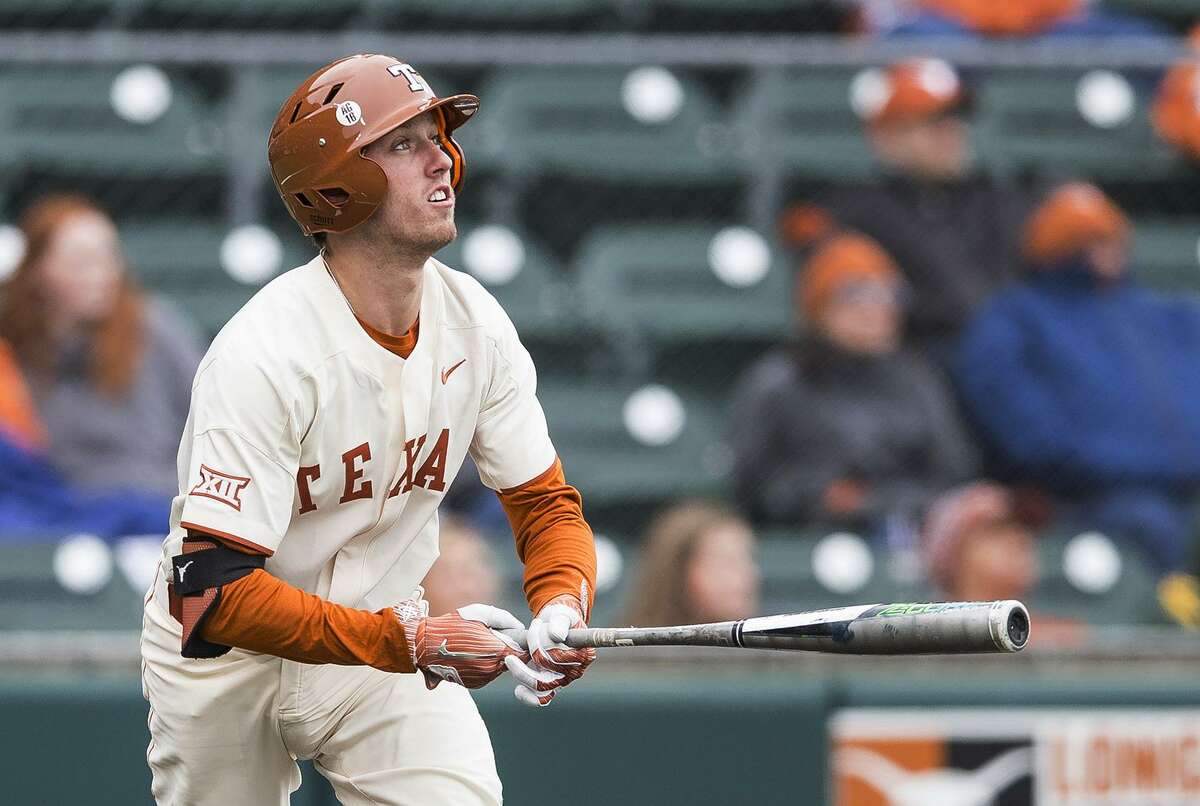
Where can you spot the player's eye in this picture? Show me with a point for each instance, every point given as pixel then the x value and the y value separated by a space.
pixel 401 145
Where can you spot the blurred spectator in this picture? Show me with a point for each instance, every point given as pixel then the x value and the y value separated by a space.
pixel 465 570
pixel 697 566
pixel 1015 18
pixel 845 427
pixel 1176 111
pixel 1088 384
pixel 979 544
pixel 952 230
pixel 109 370
pixel 35 502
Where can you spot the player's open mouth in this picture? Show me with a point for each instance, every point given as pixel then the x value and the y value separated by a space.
pixel 441 197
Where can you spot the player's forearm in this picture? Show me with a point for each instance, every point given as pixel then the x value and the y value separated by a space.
pixel 262 613
pixel 553 540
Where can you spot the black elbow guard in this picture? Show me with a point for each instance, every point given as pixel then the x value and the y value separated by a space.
pixel 195 587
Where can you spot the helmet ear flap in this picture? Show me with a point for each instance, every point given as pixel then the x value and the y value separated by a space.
pixel 458 170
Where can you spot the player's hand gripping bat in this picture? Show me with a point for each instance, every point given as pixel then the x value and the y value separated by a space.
pixel 877 629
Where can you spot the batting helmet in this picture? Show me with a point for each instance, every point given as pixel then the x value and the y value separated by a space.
pixel 316 144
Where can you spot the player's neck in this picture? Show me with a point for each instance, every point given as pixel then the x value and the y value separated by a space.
pixel 383 292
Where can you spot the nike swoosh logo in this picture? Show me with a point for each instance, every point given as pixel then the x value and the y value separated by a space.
pixel 446 372
pixel 444 652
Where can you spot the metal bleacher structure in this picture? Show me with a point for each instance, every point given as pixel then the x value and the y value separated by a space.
pixel 646 147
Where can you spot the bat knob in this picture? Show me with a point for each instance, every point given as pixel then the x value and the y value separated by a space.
pixel 1018 627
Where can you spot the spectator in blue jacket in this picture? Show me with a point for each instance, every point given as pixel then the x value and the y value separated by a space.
pixel 1087 384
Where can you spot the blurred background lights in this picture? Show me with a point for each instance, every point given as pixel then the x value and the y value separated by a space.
pixel 609 563
pixel 495 255
pixel 83 564
pixel 1091 563
pixel 869 92
pixel 654 415
pixel 1104 98
pixel 651 95
pixel 141 94
pixel 739 256
pixel 12 249
pixel 842 563
pixel 251 254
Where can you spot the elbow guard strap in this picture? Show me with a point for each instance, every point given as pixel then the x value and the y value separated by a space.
pixel 195 587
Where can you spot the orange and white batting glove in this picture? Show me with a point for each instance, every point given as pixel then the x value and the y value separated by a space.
pixel 552 663
pixel 468 647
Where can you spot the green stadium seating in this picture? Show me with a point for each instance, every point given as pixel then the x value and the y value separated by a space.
pixel 1132 600
pixel 31 596
pixel 572 121
pixel 799 122
pixel 1181 11
pixel 612 468
pixel 1166 253
pixel 467 14
pixel 789 584
pixel 1030 119
pixel 182 261
pixel 656 280
pixel 235 14
pixel 60 119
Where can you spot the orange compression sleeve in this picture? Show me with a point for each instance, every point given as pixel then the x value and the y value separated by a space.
pixel 262 613
pixel 553 540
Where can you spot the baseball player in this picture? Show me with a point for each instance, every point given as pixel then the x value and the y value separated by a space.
pixel 326 422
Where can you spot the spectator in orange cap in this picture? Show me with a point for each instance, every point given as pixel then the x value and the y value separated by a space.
pixel 952 229
pixel 1087 384
pixel 1176 111
pixel 1017 18
pixel 845 427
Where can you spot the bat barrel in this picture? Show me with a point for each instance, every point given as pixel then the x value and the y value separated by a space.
pixel 896 629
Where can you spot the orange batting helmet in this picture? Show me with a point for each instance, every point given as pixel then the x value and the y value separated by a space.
pixel 316 144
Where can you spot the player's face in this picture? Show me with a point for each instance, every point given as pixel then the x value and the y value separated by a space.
pixel 722 577
pixel 418 212
pixel 81 271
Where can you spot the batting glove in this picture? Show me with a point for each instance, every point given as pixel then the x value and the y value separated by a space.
pixel 552 664
pixel 468 647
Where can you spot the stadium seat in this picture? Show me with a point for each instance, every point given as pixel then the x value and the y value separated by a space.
pixel 1131 599
pixel 182 261
pixel 236 14
pixel 32 597
pixel 1166 253
pixel 655 289
pixel 790 583
pixel 573 121
pixel 61 119
pixel 1178 11
pixel 1031 119
pixel 523 15
pixel 799 122
pixel 613 468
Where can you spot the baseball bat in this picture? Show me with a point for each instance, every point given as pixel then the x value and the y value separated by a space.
pixel 875 629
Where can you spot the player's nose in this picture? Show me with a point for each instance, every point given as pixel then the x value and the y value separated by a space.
pixel 440 163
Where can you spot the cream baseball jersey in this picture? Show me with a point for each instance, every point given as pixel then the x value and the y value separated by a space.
pixel 310 441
